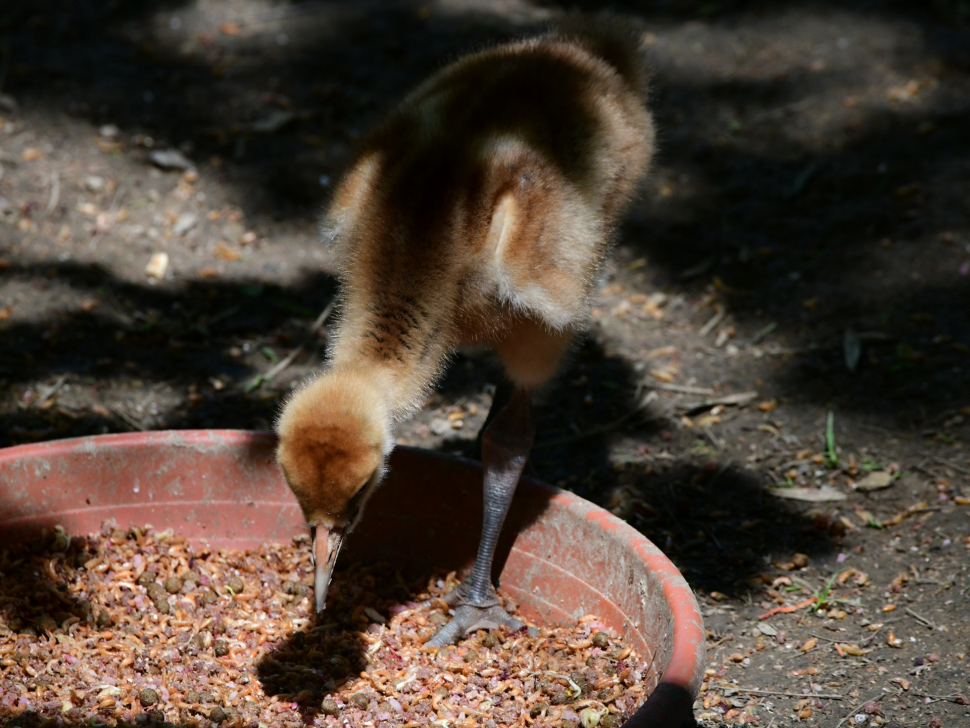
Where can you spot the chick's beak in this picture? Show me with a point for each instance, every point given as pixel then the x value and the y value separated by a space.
pixel 326 547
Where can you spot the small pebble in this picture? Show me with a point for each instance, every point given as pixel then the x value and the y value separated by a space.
pixel 192 697
pixel 147 697
pixel 601 640
pixel 220 648
pixel 173 585
pixel 146 579
pixel 103 620
pixel 329 707
pixel 208 597
pixel 163 606
pixel 471 656
pixel 490 640
pixel 156 591
pixel 560 698
pixel 360 700
pixel 206 697
pixel 190 576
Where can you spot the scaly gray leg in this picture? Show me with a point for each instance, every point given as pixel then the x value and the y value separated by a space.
pixel 506 442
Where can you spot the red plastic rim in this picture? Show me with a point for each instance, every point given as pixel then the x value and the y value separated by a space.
pixel 561 556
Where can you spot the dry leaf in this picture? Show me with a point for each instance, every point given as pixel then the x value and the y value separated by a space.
pixel 31 153
pixel 810 644
pixel 4 313
pixel 875 481
pixel 768 405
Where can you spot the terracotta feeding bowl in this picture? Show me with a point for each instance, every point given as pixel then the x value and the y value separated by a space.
pixel 562 557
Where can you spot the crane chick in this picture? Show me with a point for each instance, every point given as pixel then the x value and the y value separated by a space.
pixel 478 212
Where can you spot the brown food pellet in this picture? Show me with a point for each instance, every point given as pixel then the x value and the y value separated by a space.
pixel 560 698
pixel 284 661
pixel 217 714
pixel 236 584
pixel 601 640
pixel 173 585
pixel 537 709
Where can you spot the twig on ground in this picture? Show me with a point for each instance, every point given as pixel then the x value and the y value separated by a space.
pixel 55 193
pixel 681 388
pixel 921 619
pixel 949 464
pixel 602 429
pixel 128 419
pixel 955 698
pixel 824 696
pixel 714 321
pixel 740 399
pixel 52 390
pixel 289 358
pixel 718 445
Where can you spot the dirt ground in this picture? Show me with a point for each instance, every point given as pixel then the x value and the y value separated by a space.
pixel 787 312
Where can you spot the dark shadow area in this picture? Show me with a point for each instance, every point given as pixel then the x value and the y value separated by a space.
pixel 206 339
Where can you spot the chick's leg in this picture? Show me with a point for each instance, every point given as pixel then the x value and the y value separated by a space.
pixel 506 442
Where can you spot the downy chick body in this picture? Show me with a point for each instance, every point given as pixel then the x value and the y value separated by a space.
pixel 478 212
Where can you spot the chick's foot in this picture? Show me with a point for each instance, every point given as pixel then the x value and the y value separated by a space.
pixel 471 614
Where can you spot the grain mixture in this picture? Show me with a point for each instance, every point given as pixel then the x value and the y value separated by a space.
pixel 137 627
